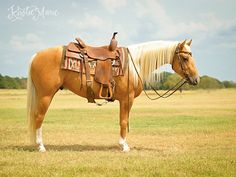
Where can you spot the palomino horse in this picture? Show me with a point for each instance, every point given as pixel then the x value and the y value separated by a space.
pixel 46 77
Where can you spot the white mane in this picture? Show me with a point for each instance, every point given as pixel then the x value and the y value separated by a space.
pixel 149 56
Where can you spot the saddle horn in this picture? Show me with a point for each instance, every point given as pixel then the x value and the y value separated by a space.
pixel 113 43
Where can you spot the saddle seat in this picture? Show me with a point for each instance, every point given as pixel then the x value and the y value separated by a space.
pixel 98 53
pixel 105 57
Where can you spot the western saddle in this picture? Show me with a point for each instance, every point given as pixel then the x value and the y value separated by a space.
pixel 102 60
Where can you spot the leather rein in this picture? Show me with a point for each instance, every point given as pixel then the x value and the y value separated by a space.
pixel 176 87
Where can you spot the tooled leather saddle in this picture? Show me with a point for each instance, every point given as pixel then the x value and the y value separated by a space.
pixel 103 63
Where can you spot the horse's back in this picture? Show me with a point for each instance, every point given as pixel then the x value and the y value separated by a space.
pixel 49 55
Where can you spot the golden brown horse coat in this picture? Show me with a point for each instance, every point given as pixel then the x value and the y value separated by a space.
pixel 46 77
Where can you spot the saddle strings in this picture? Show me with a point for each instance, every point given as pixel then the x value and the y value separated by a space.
pixel 164 95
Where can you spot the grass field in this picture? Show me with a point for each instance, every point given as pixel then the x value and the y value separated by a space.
pixel 189 134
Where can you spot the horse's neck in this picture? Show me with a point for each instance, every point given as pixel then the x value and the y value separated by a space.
pixel 149 57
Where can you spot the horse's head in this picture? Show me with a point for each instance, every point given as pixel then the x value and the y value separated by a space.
pixel 183 63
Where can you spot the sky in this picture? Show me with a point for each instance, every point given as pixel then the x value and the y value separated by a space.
pixel 29 26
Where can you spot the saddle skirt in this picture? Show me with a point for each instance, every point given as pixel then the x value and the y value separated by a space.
pixel 72 58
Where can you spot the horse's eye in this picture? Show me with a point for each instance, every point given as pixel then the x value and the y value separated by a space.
pixel 185 58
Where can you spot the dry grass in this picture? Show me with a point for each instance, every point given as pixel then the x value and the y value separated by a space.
pixel 190 134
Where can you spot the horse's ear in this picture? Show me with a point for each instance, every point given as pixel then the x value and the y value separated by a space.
pixel 183 43
pixel 189 42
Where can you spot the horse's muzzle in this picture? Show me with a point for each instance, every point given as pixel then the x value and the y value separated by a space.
pixel 193 80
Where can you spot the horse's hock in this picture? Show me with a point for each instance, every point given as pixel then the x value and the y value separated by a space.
pixel 103 63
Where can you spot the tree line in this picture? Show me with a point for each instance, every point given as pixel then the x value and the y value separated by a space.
pixel 168 80
pixel 7 82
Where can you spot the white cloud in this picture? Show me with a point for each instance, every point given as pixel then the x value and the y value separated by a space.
pixel 112 5
pixel 153 10
pixel 163 26
pixel 98 30
pixel 74 4
pixel 88 22
pixel 28 42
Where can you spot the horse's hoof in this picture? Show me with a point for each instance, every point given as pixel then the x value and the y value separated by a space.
pixel 124 145
pixel 41 148
pixel 126 148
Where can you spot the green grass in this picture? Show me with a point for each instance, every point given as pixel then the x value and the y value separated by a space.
pixel 189 134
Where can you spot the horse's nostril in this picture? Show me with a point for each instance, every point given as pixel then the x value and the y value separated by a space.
pixel 196 80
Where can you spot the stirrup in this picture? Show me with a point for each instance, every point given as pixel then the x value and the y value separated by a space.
pixel 109 92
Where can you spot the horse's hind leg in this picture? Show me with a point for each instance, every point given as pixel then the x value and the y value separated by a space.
pixel 44 79
pixel 42 107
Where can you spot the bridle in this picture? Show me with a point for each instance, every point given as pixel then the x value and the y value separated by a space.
pixel 182 61
pixel 176 87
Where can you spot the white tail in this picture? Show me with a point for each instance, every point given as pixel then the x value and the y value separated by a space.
pixel 31 105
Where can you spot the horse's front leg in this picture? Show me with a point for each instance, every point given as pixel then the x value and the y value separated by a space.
pixel 124 119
